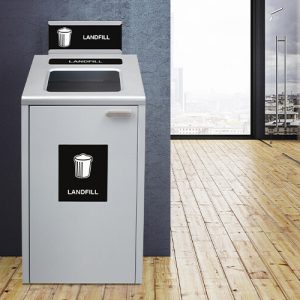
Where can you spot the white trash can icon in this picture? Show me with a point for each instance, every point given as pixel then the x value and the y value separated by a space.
pixel 83 165
pixel 64 37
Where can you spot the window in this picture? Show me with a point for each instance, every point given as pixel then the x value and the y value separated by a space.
pixel 211 67
pixel 282 90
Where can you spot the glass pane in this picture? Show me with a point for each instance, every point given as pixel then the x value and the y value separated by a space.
pixel 282 100
pixel 211 67
pixel 84 81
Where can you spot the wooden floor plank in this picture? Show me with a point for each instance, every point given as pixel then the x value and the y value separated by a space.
pixel 41 292
pixel 191 282
pixel 166 280
pixel 145 291
pixel 91 292
pixel 15 290
pixel 8 266
pixel 189 272
pixel 66 291
pixel 291 148
pixel 113 292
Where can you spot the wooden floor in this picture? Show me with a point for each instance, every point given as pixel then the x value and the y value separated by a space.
pixel 290 148
pixel 235 230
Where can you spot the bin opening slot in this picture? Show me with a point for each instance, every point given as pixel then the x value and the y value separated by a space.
pixel 84 81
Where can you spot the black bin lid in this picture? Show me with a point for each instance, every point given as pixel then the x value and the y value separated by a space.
pixel 84 81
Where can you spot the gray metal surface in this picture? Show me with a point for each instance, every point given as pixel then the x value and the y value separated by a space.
pixel 87 51
pixel 25 192
pixel 140 193
pixel 79 242
pixel 132 91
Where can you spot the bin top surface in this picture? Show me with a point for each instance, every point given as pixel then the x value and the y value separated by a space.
pixel 84 79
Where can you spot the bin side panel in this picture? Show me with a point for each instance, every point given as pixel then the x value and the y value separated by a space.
pixel 25 191
pixel 140 194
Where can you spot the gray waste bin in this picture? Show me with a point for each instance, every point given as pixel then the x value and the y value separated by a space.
pixel 83 133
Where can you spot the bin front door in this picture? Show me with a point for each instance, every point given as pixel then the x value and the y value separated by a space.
pixel 83 169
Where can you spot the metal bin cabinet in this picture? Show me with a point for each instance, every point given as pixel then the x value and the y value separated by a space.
pixel 89 228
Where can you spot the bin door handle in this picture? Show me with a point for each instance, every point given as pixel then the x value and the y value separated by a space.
pixel 124 113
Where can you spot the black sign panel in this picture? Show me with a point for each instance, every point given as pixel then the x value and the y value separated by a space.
pixel 85 61
pixel 85 37
pixel 83 173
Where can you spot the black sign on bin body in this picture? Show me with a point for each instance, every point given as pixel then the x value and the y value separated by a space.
pixel 82 173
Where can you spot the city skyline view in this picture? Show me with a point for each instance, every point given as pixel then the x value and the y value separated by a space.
pixel 210 88
pixel 281 24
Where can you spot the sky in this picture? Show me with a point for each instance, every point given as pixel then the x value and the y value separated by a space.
pixel 284 23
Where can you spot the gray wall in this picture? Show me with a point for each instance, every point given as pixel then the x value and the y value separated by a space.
pixel 145 32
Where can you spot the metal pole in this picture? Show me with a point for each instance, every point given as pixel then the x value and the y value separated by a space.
pixel 276 85
pixel 285 81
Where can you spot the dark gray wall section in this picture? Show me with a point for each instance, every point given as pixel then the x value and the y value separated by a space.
pixel 146 32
